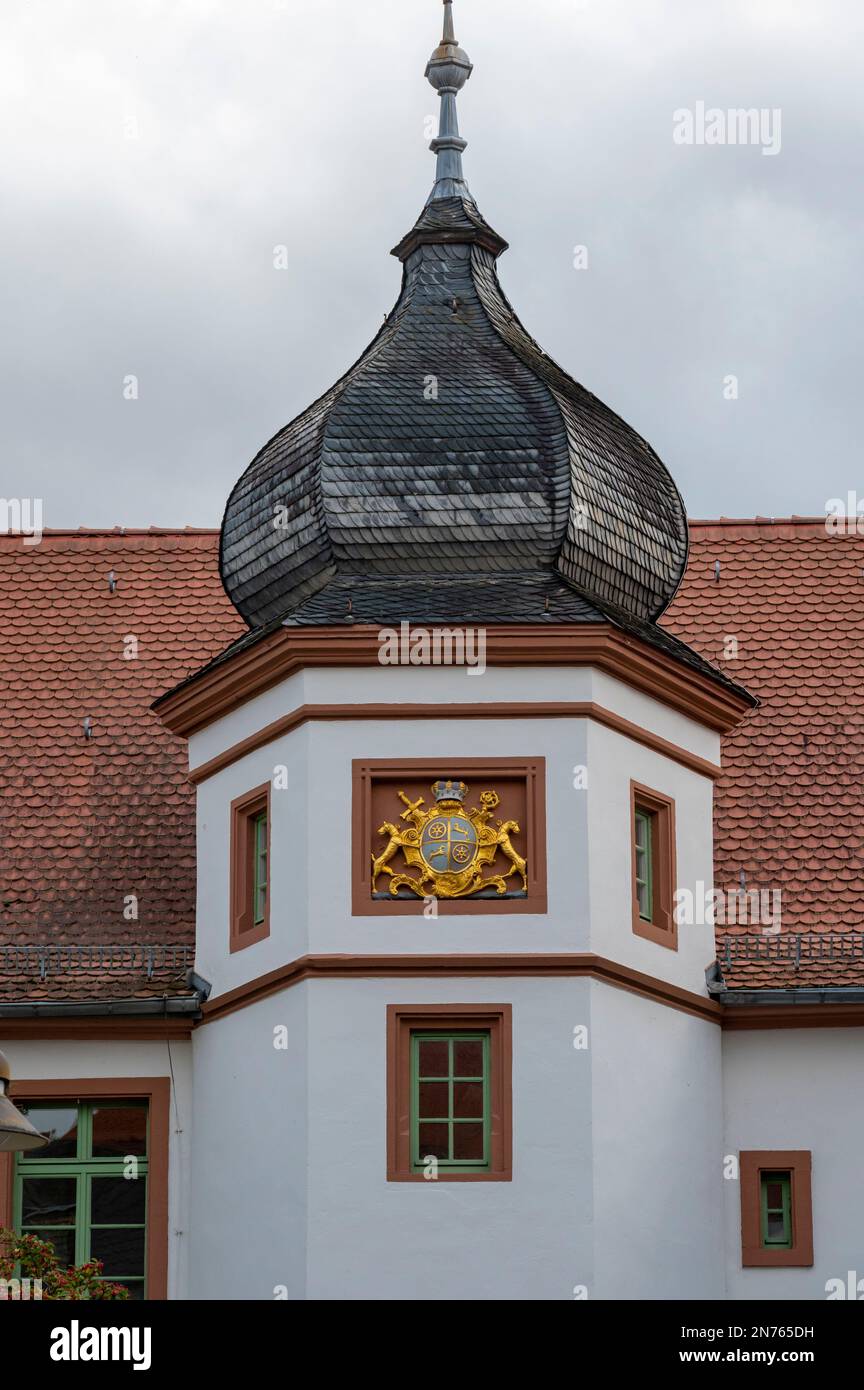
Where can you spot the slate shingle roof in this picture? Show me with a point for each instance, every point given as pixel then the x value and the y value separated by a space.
pixel 454 445
pixel 786 619
pixel 86 822
pixel 525 598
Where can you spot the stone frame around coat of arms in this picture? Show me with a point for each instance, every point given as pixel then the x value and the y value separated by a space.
pixel 520 785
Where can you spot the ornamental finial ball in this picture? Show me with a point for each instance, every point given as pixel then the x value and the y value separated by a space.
pixel 449 67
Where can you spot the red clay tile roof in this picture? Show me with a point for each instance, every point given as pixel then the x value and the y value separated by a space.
pixel 83 823
pixel 785 618
pixel 86 822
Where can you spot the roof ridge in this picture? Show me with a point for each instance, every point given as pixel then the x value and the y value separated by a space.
pixel 113 533
pixel 759 520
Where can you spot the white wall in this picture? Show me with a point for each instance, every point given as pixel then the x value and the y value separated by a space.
pixel 617 1154
pixel 526 1239
pixel 361 1236
pixel 588 833
pixel 612 762
pixel 50 1061
pixel 449 685
pixel 306 1205
pixel 290 862
pixel 249 1163
pixel 799 1089
pixel 657 1143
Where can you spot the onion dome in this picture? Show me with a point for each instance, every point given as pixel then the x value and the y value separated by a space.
pixel 455 472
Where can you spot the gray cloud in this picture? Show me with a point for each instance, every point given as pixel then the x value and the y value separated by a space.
pixel 156 151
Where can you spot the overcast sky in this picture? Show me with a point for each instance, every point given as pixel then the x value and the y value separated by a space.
pixel 156 151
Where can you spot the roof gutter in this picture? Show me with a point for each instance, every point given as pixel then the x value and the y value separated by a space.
pixel 102 1008
pixel 778 998
pixel 756 998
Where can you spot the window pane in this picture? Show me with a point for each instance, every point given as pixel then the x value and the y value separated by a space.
pixel 119 1130
pixel 468 1141
pixel 434 1100
pixel 644 826
pixel 776 1227
pixel 468 1058
pixel 48 1201
pixel 459 1098
pixel 260 862
pixel 776 1196
pixel 59 1124
pixel 468 1100
pixel 117 1201
pixel 122 1251
pixel 62 1240
pixel 434 1141
pixel 434 1059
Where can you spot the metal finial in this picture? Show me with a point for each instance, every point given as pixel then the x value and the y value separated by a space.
pixel 448 70
pixel 449 33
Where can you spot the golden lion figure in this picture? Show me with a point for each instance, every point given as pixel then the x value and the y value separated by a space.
pixel 517 863
pixel 452 835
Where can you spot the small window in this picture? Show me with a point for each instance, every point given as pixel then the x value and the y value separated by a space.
pixel 259 886
pixel 250 868
pixel 652 837
pixel 644 846
pixel 86 1191
pixel 776 1209
pixel 449 1093
pixel 450 1100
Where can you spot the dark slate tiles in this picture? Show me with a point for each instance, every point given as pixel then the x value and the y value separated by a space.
pixel 626 541
pixel 528 597
pixel 455 445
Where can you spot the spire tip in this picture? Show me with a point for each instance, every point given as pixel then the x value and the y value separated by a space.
pixel 447 71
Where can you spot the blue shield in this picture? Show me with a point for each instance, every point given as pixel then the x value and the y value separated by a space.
pixel 449 844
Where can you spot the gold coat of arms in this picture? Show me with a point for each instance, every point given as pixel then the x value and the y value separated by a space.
pixel 449 845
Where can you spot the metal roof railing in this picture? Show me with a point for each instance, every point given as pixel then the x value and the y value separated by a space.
pixel 791 948
pixel 57 958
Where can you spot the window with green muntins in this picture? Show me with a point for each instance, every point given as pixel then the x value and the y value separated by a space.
pixel 644 832
pixel 86 1192
pixel 259 876
pixel 450 1111
pixel 775 1196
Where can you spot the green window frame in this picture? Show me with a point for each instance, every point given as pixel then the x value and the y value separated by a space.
pixel 643 831
pixel 259 868
pixel 79 1195
pixel 450 1117
pixel 775 1206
